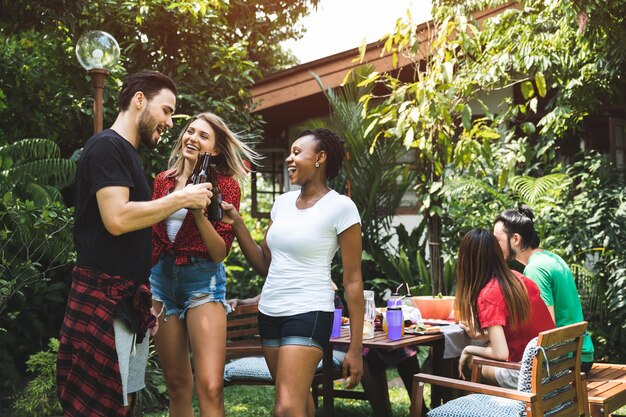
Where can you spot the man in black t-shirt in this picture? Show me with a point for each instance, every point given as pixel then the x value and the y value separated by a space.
pixel 103 348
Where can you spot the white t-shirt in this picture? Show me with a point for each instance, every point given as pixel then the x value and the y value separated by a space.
pixel 173 223
pixel 303 244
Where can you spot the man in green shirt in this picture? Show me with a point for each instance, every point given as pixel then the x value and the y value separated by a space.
pixel 515 231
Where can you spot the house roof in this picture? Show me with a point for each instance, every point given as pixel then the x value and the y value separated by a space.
pixel 293 95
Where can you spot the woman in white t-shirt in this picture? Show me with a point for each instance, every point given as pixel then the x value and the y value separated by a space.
pixel 297 301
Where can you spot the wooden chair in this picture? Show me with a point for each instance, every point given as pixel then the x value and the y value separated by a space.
pixel 605 384
pixel 242 341
pixel 551 383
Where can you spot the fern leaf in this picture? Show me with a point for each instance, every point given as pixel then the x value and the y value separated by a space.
pixel 533 189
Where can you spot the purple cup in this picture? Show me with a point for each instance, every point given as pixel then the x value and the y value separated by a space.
pixel 394 324
pixel 336 332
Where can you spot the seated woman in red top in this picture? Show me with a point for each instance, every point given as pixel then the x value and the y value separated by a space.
pixel 493 301
pixel 188 279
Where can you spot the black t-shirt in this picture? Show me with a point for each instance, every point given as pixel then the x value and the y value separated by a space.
pixel 110 160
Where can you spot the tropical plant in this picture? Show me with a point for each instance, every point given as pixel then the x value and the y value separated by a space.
pixel 375 178
pixel 34 223
pixel 242 281
pixel 587 229
pixel 213 49
pixel 39 399
pixel 34 169
pixel 34 242
pixel 155 393
pixel 432 116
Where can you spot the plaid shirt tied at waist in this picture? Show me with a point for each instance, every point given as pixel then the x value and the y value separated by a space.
pixel 88 374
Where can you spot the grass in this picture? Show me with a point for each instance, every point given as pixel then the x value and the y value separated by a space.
pixel 258 401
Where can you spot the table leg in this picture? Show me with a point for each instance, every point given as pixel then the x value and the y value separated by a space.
pixel 437 392
pixel 375 385
pixel 327 382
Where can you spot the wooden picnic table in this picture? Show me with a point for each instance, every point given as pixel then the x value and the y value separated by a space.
pixel 380 341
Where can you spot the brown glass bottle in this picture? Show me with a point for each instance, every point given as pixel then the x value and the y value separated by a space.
pixel 214 211
pixel 193 178
pixel 203 174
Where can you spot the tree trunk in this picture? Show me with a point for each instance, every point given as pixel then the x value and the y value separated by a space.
pixel 436 261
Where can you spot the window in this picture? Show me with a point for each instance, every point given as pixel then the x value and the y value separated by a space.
pixel 268 181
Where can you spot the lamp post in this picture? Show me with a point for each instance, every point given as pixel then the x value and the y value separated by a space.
pixel 97 52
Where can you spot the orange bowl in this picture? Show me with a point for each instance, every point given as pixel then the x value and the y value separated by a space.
pixel 434 307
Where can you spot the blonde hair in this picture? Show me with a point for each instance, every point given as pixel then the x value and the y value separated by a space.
pixel 232 150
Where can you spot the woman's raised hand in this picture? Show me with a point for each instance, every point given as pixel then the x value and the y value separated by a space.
pixel 230 213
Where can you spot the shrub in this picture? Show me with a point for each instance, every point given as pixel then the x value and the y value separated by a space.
pixel 39 399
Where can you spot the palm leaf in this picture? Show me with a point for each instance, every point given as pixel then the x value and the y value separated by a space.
pixel 472 185
pixel 532 189
pixel 34 169
pixel 33 148
pixel 377 181
pixel 56 172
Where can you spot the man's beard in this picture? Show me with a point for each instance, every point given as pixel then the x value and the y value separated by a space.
pixel 512 253
pixel 147 127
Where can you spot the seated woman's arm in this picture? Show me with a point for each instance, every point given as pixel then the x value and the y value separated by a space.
pixel 497 349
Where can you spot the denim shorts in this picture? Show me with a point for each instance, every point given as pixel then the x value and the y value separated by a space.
pixel 181 287
pixel 306 329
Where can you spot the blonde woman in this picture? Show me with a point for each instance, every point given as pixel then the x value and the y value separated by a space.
pixel 188 279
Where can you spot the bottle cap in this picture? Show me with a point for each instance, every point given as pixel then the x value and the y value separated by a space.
pixel 395 301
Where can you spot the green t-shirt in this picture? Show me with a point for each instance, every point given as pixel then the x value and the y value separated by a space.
pixel 558 289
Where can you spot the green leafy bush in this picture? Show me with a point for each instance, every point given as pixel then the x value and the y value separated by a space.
pixel 39 399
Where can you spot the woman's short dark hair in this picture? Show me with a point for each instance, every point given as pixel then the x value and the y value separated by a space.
pixel 520 221
pixel 328 141
pixel 150 83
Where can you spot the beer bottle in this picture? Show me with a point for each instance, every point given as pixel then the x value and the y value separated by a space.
pixel 214 211
pixel 193 178
pixel 203 174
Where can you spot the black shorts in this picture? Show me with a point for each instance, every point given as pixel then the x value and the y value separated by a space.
pixel 306 329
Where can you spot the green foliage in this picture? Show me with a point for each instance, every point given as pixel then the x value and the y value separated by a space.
pixel 155 392
pixel 432 115
pixel 588 228
pixel 36 248
pixel 39 399
pixel 371 175
pixel 34 169
pixel 532 190
pixel 242 281
pixel 35 240
pixel 213 49
pixel 45 92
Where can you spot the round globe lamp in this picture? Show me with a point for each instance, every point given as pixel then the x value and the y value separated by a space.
pixel 97 52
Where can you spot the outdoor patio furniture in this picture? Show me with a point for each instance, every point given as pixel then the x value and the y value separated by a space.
pixel 606 388
pixel 605 383
pixel 380 341
pixel 245 362
pixel 551 383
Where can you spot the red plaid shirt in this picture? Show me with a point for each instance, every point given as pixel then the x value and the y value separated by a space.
pixel 188 241
pixel 88 372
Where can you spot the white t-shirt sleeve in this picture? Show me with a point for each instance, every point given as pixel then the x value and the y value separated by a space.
pixel 348 214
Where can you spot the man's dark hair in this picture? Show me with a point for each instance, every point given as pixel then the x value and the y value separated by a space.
pixel 520 221
pixel 150 83
pixel 332 144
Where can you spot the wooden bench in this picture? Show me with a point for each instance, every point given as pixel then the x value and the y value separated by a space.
pixel 606 388
pixel 243 341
